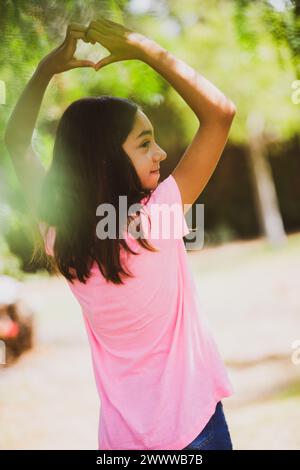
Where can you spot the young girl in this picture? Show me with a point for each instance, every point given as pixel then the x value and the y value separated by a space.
pixel 157 368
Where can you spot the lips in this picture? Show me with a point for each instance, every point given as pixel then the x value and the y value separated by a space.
pixel 155 171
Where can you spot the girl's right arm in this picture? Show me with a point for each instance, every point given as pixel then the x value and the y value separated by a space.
pixel 215 113
pixel 207 101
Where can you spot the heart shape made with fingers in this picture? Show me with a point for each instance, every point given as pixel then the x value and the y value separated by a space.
pixel 80 53
pixel 90 50
pixel 120 41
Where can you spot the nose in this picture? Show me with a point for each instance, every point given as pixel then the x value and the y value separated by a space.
pixel 161 155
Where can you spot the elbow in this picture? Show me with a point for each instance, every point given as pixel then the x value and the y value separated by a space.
pixel 228 112
pixel 232 108
pixel 223 114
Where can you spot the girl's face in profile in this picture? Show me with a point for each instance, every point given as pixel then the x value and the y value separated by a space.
pixel 145 154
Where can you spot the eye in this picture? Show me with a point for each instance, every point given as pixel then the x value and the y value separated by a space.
pixel 145 144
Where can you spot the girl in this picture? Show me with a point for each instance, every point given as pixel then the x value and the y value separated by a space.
pixel 157 368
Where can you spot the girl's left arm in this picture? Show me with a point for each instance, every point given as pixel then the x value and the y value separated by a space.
pixel 19 130
pixel 28 167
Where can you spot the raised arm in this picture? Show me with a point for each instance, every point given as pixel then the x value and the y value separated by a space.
pixel 19 130
pixel 213 109
pixel 28 167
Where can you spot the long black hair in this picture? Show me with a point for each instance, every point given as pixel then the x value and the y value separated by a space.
pixel 90 167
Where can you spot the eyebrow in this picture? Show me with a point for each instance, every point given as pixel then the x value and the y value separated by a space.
pixel 145 132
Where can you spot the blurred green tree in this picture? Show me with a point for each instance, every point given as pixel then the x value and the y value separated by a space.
pixel 234 44
pixel 249 50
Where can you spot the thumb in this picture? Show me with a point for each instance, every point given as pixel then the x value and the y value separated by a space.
pixel 105 61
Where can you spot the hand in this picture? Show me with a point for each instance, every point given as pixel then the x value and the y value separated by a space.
pixel 123 43
pixel 62 58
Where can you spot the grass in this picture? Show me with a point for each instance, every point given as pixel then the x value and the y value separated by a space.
pixel 291 391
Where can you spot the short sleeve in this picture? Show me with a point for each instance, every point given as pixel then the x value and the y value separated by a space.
pixel 48 235
pixel 167 192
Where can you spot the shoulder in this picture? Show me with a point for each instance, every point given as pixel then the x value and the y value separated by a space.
pixel 167 191
pixel 166 194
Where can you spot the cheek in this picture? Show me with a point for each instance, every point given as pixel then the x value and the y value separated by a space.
pixel 142 163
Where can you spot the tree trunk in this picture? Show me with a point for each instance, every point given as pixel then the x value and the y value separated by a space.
pixel 265 192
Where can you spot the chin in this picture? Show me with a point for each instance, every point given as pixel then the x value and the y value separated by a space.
pixel 151 184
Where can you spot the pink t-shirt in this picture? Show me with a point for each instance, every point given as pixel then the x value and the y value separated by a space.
pixel 157 368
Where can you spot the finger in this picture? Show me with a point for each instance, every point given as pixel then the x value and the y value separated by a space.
pixel 81 63
pixel 98 24
pixel 105 61
pixel 93 35
pixel 101 27
pixel 76 34
pixel 68 30
pixel 73 36
pixel 77 27
pixel 90 36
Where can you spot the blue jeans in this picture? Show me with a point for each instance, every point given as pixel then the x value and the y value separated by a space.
pixel 215 435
